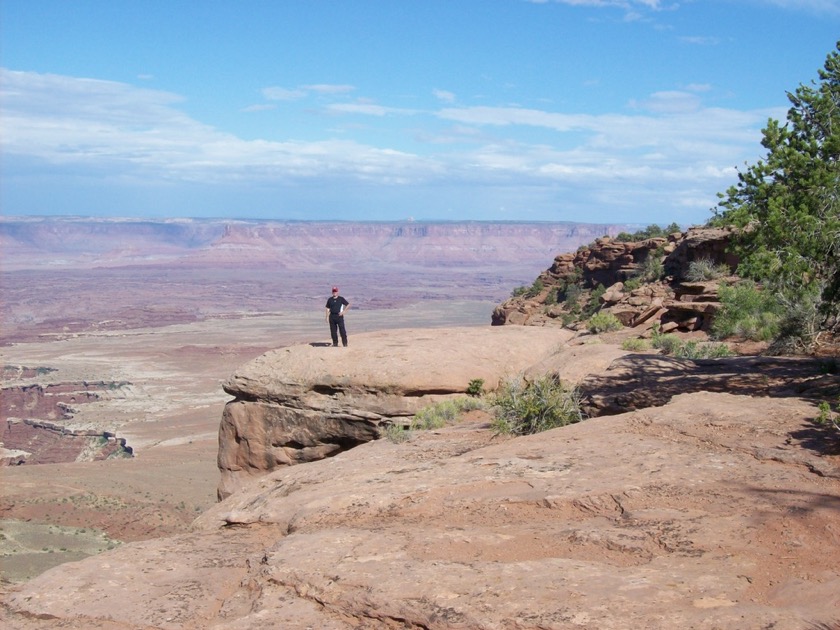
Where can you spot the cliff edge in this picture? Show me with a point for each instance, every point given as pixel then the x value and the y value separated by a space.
pixel 710 510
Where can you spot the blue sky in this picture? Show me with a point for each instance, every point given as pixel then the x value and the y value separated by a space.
pixel 553 110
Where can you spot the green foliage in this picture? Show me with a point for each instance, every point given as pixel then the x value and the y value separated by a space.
pixel 604 322
pixel 692 349
pixel 705 269
pixel 651 231
pixel 442 413
pixel 535 289
pixel 800 320
pixel 526 408
pixel 652 268
pixel 747 312
pixel 634 344
pixel 476 387
pixel 788 204
pixel 667 343
pixel 529 292
pixel 672 345
pixel 631 284
pixel 827 417
pixel 593 303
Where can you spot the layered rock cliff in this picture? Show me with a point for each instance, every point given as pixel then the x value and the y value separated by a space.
pixel 667 298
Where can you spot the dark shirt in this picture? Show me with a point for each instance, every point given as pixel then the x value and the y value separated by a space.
pixel 335 304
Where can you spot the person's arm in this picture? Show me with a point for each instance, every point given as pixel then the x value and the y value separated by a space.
pixel 327 314
pixel 346 307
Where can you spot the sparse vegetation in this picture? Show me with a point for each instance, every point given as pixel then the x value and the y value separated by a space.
pixel 397 433
pixel 788 204
pixel 747 312
pixel 651 231
pixel 475 387
pixel 604 322
pixel 635 344
pixel 705 269
pixel 673 345
pixel 523 408
pixel 827 417
pixel 442 413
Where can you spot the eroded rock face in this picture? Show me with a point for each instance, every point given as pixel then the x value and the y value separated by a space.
pixel 671 301
pixel 308 402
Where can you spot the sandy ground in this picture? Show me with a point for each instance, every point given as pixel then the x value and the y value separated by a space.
pixel 168 407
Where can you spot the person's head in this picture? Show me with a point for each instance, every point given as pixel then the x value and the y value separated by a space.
pixel 335 290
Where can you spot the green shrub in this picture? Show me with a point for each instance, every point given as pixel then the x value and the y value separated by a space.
pixel 525 408
pixel 705 269
pixel 694 350
pixel 689 349
pixel 604 322
pixel 476 387
pixel 442 413
pixel 827 417
pixel 635 344
pixel 631 284
pixel 667 343
pixel 652 268
pixel 747 313
pixel 535 289
pixel 593 303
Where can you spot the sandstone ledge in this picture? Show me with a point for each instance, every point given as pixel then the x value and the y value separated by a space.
pixel 303 403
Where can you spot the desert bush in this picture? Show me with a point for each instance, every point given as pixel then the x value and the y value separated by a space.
pixel 631 284
pixel 695 350
pixel 651 231
pixel 705 269
pixel 593 302
pixel 652 268
pixel 442 413
pixel 827 417
pixel 476 387
pixel 800 319
pixel 604 322
pixel 530 407
pixel 397 434
pixel 635 344
pixel 747 312
pixel 667 343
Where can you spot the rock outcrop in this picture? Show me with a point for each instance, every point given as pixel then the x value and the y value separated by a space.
pixel 304 403
pixel 671 301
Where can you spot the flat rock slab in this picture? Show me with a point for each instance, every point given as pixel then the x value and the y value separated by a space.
pixel 402 362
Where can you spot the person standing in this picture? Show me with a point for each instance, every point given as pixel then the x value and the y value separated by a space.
pixel 336 307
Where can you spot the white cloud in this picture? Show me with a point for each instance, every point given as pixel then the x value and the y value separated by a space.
pixel 275 93
pixel 368 109
pixel 830 7
pixel 325 88
pixel 444 95
pixel 283 94
pixel 259 108
pixel 673 151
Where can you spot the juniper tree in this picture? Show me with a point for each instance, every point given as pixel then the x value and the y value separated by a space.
pixel 788 204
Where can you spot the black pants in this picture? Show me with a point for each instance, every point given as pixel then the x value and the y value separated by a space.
pixel 336 327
